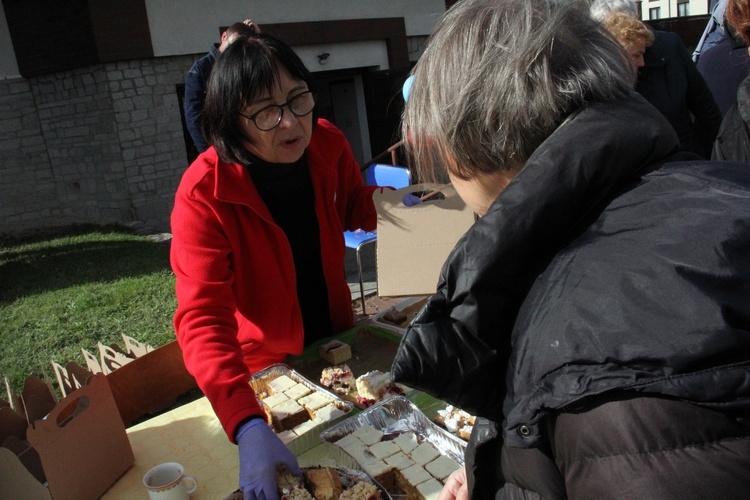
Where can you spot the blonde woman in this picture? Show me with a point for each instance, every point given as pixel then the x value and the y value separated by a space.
pixel 633 35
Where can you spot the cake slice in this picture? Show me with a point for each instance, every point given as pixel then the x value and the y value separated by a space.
pixel 374 386
pixel 430 489
pixel 339 379
pixel 280 384
pixel 361 491
pixel 442 467
pixel 384 449
pixel 287 415
pixel 297 391
pixel 368 434
pixel 424 453
pixel 314 401
pixel 323 483
pixel 407 441
pixel 290 487
pixel 328 413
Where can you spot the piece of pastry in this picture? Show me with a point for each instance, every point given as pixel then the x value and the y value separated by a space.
pixel 287 415
pixel 280 384
pixel 339 379
pixel 424 453
pixel 361 491
pixel 323 483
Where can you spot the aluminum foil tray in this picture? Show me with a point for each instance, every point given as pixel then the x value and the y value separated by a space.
pixel 398 414
pixel 311 438
pixel 348 476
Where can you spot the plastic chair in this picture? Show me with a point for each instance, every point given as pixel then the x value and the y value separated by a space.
pixel 377 175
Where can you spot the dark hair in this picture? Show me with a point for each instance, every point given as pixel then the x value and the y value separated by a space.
pixel 247 69
pixel 737 14
pixel 240 29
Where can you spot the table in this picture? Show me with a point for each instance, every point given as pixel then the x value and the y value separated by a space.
pixel 192 436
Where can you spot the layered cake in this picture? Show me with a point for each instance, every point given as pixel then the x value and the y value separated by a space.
pixel 374 386
pixel 404 464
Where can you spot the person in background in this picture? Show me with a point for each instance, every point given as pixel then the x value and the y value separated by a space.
pixel 257 240
pixel 714 31
pixel 196 81
pixel 724 66
pixel 633 35
pixel 733 141
pixel 670 81
pixel 596 316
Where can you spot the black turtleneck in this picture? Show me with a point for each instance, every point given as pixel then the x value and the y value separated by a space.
pixel 287 191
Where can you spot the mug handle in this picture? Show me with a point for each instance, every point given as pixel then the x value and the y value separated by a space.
pixel 190 483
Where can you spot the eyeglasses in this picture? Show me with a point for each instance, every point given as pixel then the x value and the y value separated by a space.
pixel 269 117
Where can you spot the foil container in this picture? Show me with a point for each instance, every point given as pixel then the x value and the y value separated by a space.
pixel 396 415
pixel 259 382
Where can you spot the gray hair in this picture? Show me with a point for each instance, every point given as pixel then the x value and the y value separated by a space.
pixel 499 76
pixel 600 9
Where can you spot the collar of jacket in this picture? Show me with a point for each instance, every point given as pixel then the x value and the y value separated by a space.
pixel 234 185
pixel 563 187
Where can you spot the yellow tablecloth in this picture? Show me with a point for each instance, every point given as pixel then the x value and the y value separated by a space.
pixel 192 436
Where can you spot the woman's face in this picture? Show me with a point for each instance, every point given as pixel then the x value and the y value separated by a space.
pixel 636 51
pixel 286 142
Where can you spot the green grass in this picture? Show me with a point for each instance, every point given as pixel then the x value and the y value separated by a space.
pixel 66 291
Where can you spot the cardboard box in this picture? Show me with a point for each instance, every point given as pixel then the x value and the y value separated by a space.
pixel 81 444
pixel 414 241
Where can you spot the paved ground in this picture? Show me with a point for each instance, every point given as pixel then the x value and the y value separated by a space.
pixel 374 303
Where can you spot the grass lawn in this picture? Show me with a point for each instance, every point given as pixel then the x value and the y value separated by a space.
pixel 68 291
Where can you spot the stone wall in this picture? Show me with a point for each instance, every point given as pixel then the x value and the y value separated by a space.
pixel 102 144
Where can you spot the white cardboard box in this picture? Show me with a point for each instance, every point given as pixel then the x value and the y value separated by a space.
pixel 414 242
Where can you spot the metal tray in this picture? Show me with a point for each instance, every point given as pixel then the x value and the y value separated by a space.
pixel 398 414
pixel 311 438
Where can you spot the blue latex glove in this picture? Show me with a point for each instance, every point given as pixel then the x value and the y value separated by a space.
pixel 260 451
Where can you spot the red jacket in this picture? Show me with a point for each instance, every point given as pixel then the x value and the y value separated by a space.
pixel 237 309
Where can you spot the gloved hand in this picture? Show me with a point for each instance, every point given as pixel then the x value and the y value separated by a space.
pixel 260 451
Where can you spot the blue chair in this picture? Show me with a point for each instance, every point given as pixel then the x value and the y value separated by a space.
pixel 377 175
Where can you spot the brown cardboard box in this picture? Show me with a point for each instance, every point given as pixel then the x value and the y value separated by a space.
pixel 82 446
pixel 413 242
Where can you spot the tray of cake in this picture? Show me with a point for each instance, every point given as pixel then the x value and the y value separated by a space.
pixel 397 317
pixel 399 447
pixel 297 409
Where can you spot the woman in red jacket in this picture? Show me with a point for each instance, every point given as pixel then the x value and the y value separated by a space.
pixel 257 239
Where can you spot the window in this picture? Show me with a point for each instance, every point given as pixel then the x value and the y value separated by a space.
pixel 683 9
pixel 654 13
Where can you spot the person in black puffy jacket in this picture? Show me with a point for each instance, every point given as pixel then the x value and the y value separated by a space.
pixel 596 317
pixel 733 141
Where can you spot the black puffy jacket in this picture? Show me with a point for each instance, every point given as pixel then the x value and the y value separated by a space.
pixel 607 264
pixel 733 141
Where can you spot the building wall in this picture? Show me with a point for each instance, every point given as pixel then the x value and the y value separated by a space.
pixel 102 144
pixel 671 8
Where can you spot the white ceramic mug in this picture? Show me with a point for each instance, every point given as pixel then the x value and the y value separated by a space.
pixel 168 481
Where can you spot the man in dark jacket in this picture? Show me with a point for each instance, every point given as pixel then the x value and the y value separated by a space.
pixel 671 82
pixel 597 315
pixel 196 80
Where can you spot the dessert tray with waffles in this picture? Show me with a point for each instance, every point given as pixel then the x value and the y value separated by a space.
pixel 399 447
